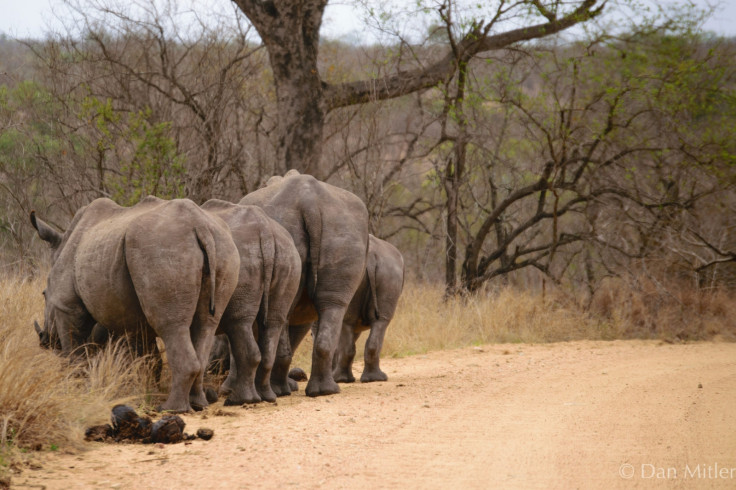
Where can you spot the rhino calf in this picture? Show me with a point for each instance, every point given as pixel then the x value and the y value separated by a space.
pixel 159 268
pixel 372 308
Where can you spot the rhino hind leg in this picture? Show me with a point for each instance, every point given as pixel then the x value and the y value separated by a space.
pixel 280 371
pixel 296 374
pixel 372 370
pixel 240 384
pixel 185 367
pixel 342 362
pixel 203 336
pixel 321 381
pixel 268 339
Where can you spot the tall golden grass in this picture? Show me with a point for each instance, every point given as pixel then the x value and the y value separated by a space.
pixel 425 320
pixel 46 401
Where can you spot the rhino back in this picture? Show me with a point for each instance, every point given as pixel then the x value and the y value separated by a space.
pixel 87 261
pixel 165 257
pixel 329 227
pixel 382 284
pixel 388 272
pixel 136 265
pixel 102 278
pixel 247 225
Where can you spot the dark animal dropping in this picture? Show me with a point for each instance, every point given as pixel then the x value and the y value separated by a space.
pixel 169 429
pixel 205 434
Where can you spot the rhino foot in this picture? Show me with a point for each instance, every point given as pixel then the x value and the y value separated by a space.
pixel 199 402
pixel 267 394
pixel 373 375
pixel 343 377
pixel 232 402
pixel 242 397
pixel 293 385
pixel 283 389
pixel 321 387
pixel 211 394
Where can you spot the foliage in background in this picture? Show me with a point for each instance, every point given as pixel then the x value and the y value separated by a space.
pixel 144 152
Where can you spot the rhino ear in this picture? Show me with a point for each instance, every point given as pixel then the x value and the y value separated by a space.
pixel 46 233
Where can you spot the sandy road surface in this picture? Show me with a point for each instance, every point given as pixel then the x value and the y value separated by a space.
pixel 572 415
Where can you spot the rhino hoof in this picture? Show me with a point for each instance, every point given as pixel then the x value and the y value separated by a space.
pixel 326 387
pixel 210 394
pixel 267 395
pixel 371 376
pixel 344 377
pixel 232 402
pixel 285 388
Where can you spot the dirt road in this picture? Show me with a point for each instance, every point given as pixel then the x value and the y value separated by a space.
pixel 622 414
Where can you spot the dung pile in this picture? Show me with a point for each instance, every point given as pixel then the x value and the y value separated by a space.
pixel 127 425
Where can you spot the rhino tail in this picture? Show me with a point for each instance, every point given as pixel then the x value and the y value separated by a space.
pixel 315 244
pixel 268 252
pixel 207 244
pixel 371 273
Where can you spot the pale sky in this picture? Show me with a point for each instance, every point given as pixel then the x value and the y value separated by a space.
pixel 30 18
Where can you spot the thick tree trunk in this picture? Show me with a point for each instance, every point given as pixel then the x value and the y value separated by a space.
pixel 454 175
pixel 300 113
pixel 290 31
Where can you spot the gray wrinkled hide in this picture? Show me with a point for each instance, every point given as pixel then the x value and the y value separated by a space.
pixel 372 308
pixel 329 227
pixel 159 268
pixel 270 271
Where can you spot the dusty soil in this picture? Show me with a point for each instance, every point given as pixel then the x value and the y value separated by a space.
pixel 581 414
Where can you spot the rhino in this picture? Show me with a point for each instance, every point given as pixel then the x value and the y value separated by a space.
pixel 159 268
pixel 372 308
pixel 329 227
pixel 270 272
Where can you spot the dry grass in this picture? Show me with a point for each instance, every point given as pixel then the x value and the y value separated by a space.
pixel 673 312
pixel 45 402
pixel 425 321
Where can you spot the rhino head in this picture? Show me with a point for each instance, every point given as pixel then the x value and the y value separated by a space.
pixel 47 336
